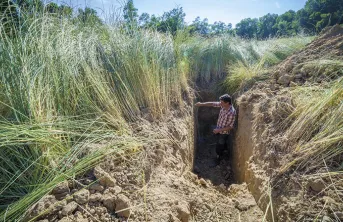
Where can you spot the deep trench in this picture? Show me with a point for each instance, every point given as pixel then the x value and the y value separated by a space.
pixel 204 166
pixel 232 170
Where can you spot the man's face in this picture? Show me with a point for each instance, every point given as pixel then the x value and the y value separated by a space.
pixel 224 104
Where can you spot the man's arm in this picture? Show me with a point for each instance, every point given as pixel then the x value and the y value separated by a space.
pixel 205 104
pixel 228 128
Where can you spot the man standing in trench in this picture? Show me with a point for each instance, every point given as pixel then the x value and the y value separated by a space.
pixel 226 120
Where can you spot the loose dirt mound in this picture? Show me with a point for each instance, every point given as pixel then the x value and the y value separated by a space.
pixel 295 195
pixel 154 185
pixel 319 61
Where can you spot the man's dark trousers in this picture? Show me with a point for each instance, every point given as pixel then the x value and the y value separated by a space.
pixel 221 144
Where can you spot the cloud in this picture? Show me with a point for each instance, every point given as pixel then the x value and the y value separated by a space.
pixel 277 5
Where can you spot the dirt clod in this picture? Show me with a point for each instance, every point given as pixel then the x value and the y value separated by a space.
pixel 104 178
pixel 122 204
pixel 82 196
pixel 109 202
pixel 183 211
pixel 69 208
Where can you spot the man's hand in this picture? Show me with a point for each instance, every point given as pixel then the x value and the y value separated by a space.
pixel 216 131
pixel 198 104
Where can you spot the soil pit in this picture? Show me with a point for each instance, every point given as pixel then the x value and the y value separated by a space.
pixel 154 185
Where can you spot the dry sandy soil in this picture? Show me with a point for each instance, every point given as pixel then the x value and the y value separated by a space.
pixel 156 184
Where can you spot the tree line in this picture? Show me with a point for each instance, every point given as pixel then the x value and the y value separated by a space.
pixel 316 15
pixel 14 12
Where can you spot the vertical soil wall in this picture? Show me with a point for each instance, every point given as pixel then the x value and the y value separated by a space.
pixel 244 161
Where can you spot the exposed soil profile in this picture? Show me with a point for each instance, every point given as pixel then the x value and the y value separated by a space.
pixel 156 184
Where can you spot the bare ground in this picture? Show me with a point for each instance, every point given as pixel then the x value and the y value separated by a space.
pixel 156 184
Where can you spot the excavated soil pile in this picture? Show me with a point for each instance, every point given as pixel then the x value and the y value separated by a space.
pixel 315 63
pixel 262 148
pixel 154 185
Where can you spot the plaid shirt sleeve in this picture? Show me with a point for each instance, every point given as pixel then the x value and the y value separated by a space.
pixel 216 104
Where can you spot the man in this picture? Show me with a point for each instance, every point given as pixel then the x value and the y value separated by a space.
pixel 226 120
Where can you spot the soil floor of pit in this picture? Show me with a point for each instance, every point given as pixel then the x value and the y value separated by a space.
pixel 205 162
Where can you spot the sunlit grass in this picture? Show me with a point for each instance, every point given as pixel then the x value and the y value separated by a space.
pixel 317 127
pixel 259 56
pixel 237 59
pixel 35 158
pixel 64 89
pixel 326 69
pixel 241 74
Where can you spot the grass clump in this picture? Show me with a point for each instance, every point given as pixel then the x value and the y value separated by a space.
pixel 207 58
pixel 242 74
pixel 36 157
pixel 317 128
pixel 67 87
pixel 324 69
pixel 259 56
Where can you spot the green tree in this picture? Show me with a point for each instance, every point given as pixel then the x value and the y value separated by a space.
pixel 172 21
pixel 88 16
pixel 317 14
pixel 62 11
pixel 154 22
pixel 200 27
pixel 65 11
pixel 286 23
pixel 130 13
pixel 144 20
pixel 304 21
pixel 266 26
pixel 52 8
pixel 220 28
pixel 247 28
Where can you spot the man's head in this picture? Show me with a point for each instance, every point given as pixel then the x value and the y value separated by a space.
pixel 226 99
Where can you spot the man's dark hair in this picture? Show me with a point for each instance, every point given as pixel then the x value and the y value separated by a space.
pixel 226 98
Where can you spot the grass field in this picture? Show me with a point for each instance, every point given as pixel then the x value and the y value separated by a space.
pixel 65 87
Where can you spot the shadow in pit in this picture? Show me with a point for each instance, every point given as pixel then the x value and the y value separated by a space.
pixel 204 164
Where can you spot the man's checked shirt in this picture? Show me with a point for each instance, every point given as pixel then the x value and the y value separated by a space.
pixel 226 117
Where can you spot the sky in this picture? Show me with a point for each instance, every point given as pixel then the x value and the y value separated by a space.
pixel 228 11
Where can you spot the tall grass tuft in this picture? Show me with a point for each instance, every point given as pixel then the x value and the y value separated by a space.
pixel 208 58
pixel 36 157
pixel 215 58
pixel 144 71
pixel 317 127
pixel 65 87
pixel 257 57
